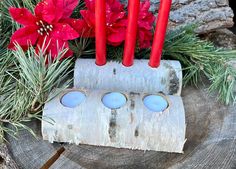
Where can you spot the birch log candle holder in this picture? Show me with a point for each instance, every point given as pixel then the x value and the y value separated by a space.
pixel 136 107
pixel 122 121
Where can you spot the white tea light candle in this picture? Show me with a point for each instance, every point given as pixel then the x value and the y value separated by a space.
pixel 72 99
pixel 114 100
pixel 155 103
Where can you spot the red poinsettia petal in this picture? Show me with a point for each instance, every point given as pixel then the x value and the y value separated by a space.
pixel 89 17
pixel 24 36
pixel 64 31
pixel 145 25
pixel 49 10
pixel 145 6
pixel 68 7
pixel 22 16
pixel 119 26
pixel 144 38
pixel 146 18
pixel 150 18
pixel 76 24
pixel 38 10
pixel 116 38
pixel 115 6
pixel 90 4
pixel 145 44
pixel 113 17
pixel 81 27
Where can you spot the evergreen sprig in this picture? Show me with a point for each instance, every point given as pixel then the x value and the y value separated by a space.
pixel 26 81
pixel 200 57
pixel 82 47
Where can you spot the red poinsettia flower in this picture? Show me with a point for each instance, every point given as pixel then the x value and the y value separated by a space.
pixel 115 21
pixel 48 22
pixel 145 25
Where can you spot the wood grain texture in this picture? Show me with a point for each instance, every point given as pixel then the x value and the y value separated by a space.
pixel 208 14
pixel 132 126
pixel 6 160
pixel 28 151
pixel 138 78
pixel 211 144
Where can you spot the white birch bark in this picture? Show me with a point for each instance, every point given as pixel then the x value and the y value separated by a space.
pixel 132 126
pixel 138 78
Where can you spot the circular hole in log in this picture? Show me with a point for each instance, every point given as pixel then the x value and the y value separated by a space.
pixel 114 100
pixel 72 99
pixel 155 103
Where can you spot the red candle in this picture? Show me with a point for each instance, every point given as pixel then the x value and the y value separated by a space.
pixel 100 31
pixel 131 32
pixel 160 32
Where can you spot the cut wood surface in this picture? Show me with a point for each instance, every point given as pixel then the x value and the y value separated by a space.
pixel 6 160
pixel 30 152
pixel 209 14
pixel 139 78
pixel 211 144
pixel 131 126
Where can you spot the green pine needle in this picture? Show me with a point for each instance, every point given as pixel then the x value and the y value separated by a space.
pixel 82 47
pixel 200 57
pixel 115 53
pixel 26 80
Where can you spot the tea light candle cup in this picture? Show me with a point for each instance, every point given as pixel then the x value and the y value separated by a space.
pixel 155 103
pixel 73 99
pixel 114 100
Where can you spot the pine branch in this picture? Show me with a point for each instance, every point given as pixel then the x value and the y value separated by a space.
pixel 7 26
pixel 115 53
pixel 26 79
pixel 200 57
pixel 76 12
pixel 82 47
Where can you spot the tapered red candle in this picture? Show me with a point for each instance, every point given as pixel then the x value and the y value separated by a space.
pixel 100 31
pixel 131 32
pixel 160 32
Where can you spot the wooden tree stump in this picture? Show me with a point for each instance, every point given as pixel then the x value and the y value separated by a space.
pixel 6 160
pixel 211 144
pixel 209 14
